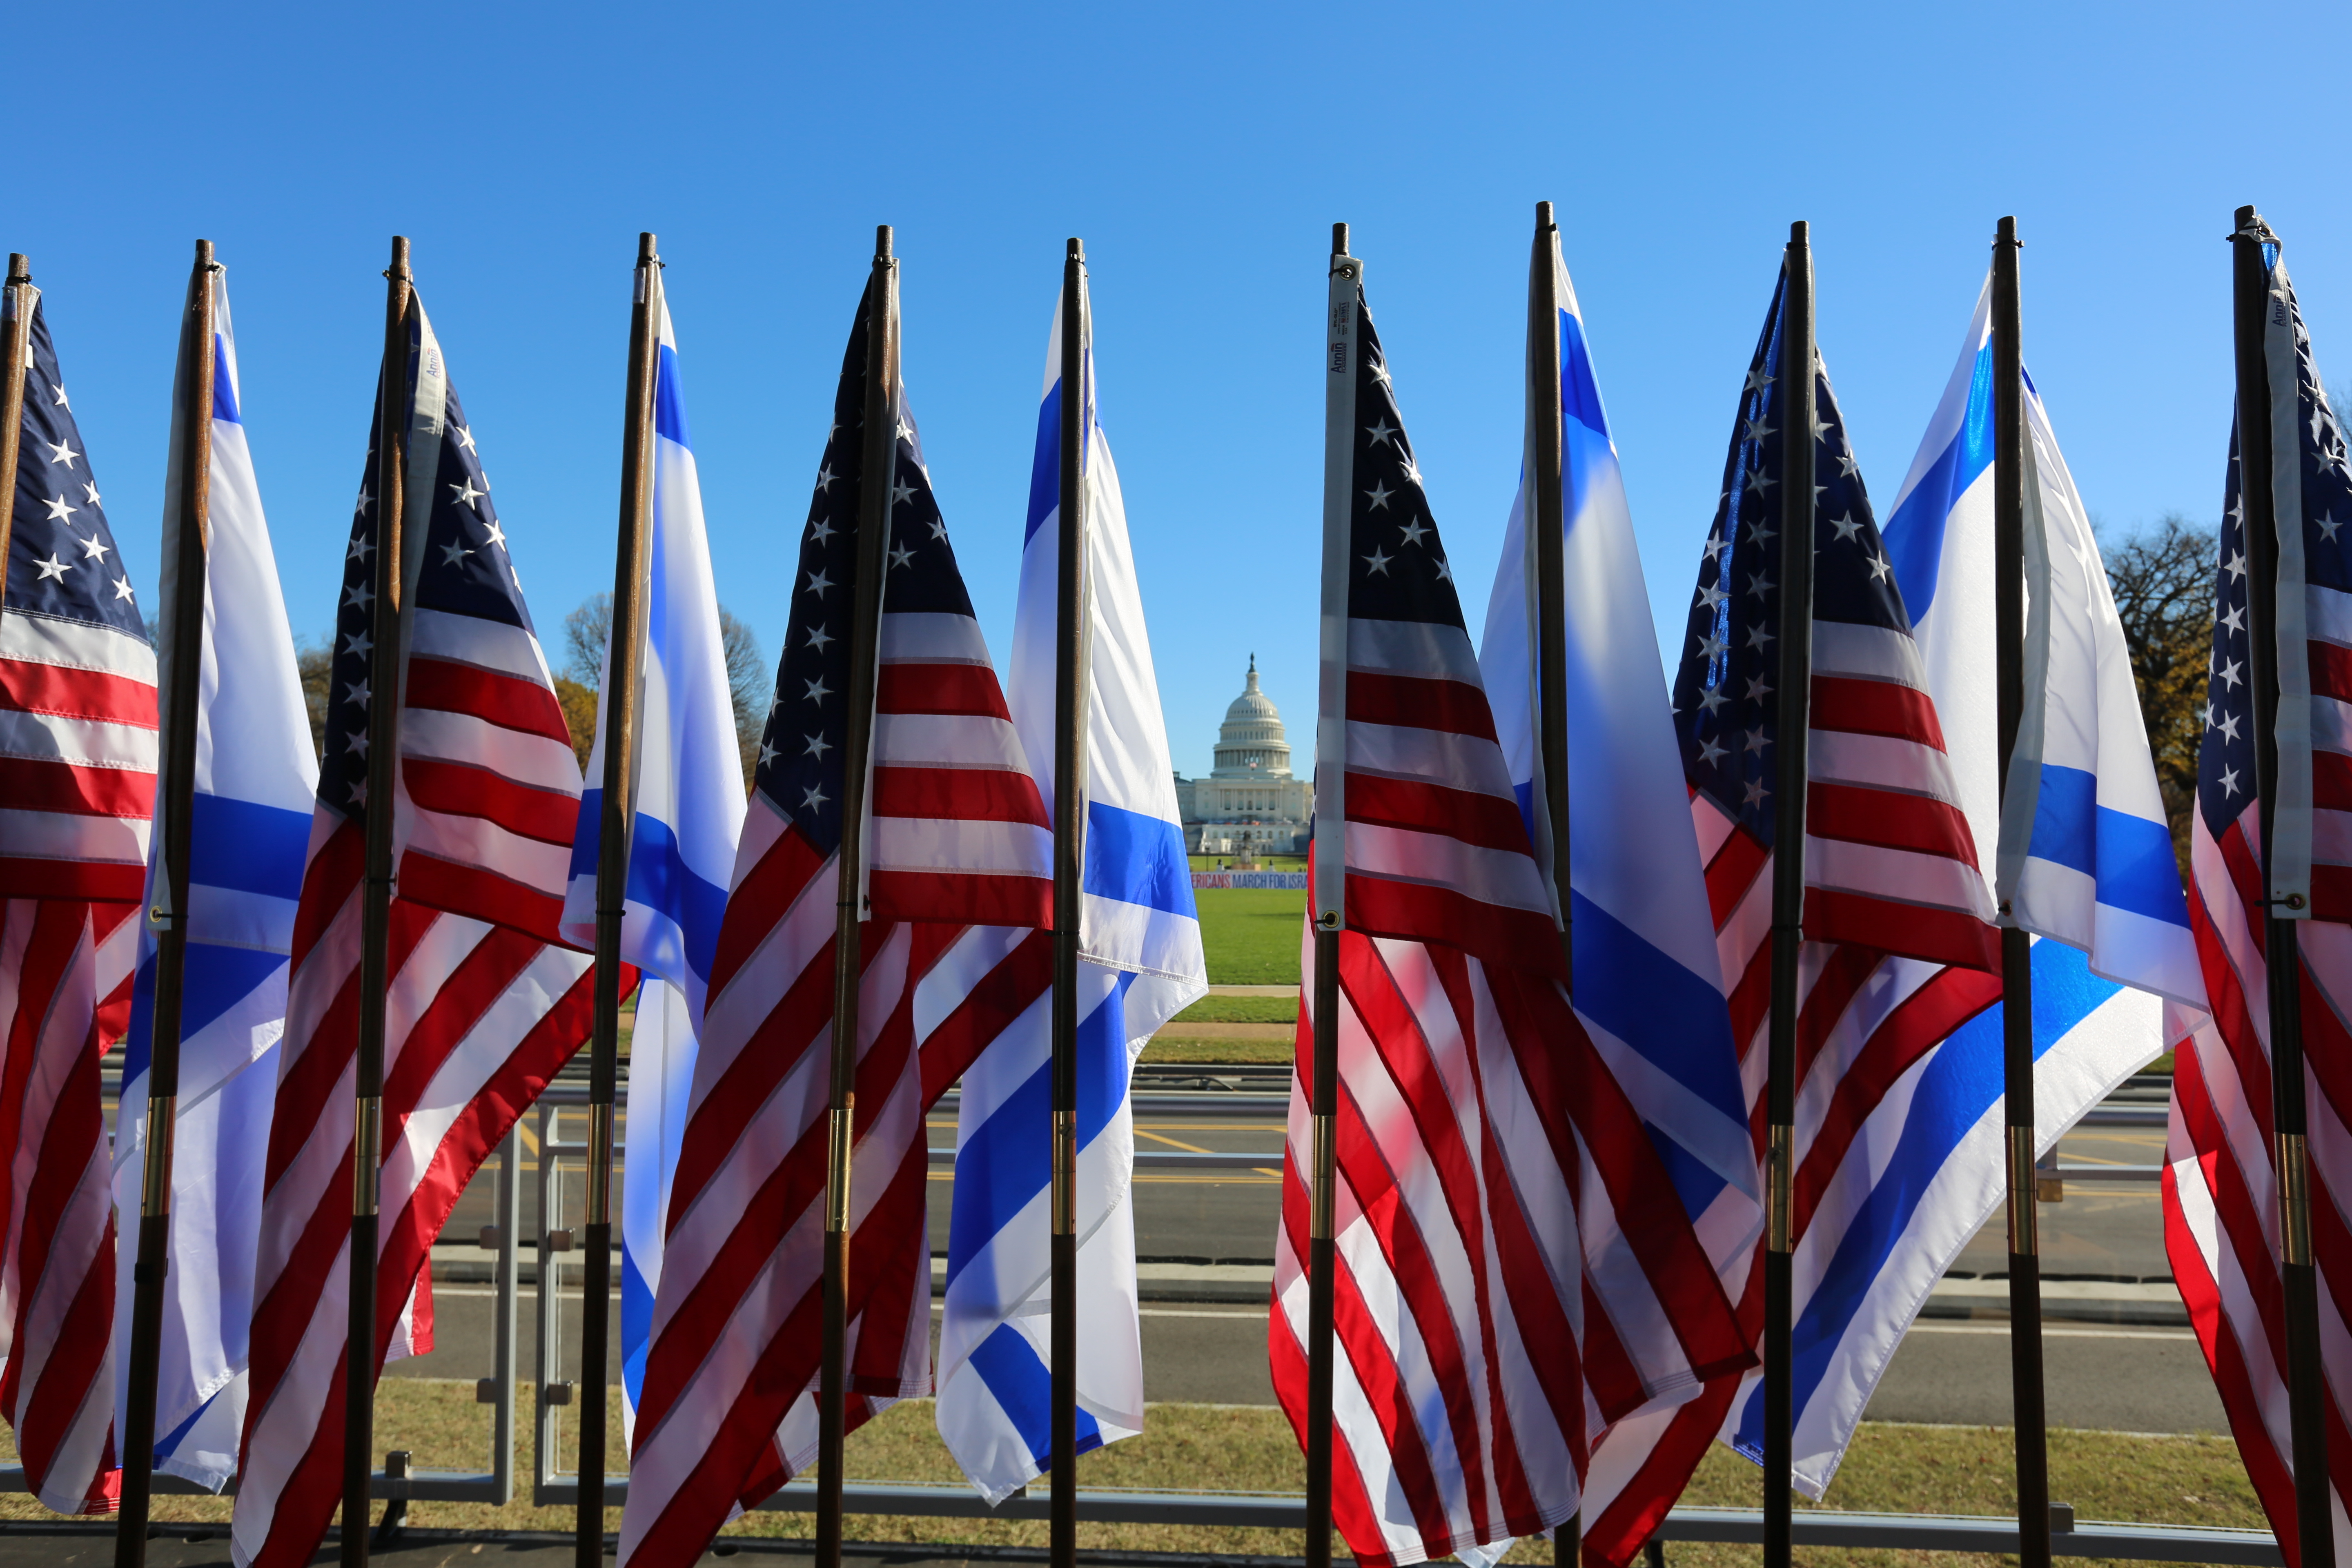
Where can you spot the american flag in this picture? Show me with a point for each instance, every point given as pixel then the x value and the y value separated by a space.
pixel 1900 948
pixel 1501 1214
pixel 76 784
pixel 483 1008
pixel 2220 1194
pixel 957 835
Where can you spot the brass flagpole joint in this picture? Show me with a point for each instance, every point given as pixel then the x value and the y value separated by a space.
pixel 836 1169
pixel 2294 1199
pixel 367 1154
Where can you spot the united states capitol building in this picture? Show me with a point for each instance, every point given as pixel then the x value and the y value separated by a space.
pixel 1249 803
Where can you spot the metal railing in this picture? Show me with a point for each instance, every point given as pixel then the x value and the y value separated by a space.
pixel 553 1245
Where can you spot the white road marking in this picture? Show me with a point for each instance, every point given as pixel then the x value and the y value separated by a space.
pixel 2049 1334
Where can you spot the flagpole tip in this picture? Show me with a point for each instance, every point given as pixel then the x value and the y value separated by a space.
pixel 2246 218
pixel 882 238
pixel 2005 231
pixel 647 252
pixel 204 253
pixel 1801 233
pixel 400 255
pixel 1339 240
pixel 1544 218
pixel 20 269
pixel 1078 251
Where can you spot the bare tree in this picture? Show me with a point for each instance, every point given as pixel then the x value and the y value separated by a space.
pixel 2163 583
pixel 587 630
pixel 314 662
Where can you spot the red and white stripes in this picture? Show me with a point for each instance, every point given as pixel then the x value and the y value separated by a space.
pixel 77 751
pixel 57 1274
pixel 959 830
pixel 1436 849
pixel 958 834
pixel 489 784
pixel 2221 1182
pixel 1889 861
pixel 1890 868
pixel 480 1013
pixel 726 1413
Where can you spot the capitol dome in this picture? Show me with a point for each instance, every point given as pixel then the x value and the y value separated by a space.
pixel 1250 743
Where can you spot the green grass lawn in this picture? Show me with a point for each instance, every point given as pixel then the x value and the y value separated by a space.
pixel 1218 1053
pixel 1913 1470
pixel 1242 1010
pixel 1252 934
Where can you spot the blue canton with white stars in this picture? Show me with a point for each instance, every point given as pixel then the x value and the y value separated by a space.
pixel 1398 570
pixel 2225 758
pixel 1726 709
pixel 61 556
pixel 463 569
pixel 801 767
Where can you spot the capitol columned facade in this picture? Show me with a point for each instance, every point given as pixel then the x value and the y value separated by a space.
pixel 1249 803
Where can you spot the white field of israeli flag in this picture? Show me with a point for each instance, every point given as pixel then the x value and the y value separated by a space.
pixel 1891 1224
pixel 256 776
pixel 689 810
pixel 2084 853
pixel 1649 984
pixel 2088 864
pixel 1141 964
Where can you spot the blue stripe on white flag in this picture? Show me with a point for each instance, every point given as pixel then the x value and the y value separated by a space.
pixel 1914 535
pixel 2096 869
pixel 691 800
pixel 249 828
pixel 1648 978
pixel 2130 857
pixel 1134 858
pixel 1850 1320
pixel 1139 938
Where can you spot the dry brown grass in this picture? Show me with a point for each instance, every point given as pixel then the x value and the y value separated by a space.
pixel 1918 1470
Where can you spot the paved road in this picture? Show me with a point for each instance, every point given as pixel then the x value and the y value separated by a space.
pixel 1953 1368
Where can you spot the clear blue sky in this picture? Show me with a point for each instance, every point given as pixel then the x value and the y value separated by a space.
pixel 1201 152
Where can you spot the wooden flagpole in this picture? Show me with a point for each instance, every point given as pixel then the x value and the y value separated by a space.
pixel 1790 738
pixel 1546 524
pixel 1071 648
pixel 875 477
pixel 375 907
pixel 1329 895
pixel 2306 1385
pixel 2027 1400
pixel 17 298
pixel 623 663
pixel 175 799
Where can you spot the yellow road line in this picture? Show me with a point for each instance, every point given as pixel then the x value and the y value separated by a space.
pixel 1173 1178
pixel 1259 1178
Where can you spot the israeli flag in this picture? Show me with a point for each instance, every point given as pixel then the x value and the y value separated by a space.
pixel 1648 982
pixel 1141 964
pixel 2084 853
pixel 256 777
pixel 689 809
pixel 2084 860
pixel 1926 1172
